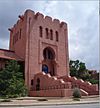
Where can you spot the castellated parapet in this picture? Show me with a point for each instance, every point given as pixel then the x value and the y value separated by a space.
pixel 38 16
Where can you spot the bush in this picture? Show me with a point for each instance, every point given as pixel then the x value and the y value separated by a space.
pixel 76 93
pixel 93 81
pixel 12 84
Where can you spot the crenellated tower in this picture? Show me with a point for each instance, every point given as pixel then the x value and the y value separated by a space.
pixel 42 42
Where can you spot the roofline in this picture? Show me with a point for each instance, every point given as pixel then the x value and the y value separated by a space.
pixel 6 50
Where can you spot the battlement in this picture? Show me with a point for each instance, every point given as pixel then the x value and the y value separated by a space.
pixel 19 22
pixel 39 16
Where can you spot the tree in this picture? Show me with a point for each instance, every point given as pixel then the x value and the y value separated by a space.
pixel 82 69
pixel 77 68
pixel 11 81
pixel 74 65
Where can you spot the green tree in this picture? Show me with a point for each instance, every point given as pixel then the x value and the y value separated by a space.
pixel 82 69
pixel 74 65
pixel 77 68
pixel 11 81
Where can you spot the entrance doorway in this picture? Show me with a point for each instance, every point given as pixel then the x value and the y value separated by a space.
pixel 45 68
pixel 48 64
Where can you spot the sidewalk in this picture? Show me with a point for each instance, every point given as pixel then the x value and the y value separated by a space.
pixel 33 101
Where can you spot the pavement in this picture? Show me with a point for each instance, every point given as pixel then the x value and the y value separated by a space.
pixel 44 101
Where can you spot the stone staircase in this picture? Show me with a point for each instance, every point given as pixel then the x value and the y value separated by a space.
pixel 53 86
pixel 91 89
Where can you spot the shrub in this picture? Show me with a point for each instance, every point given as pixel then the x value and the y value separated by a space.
pixel 76 93
pixel 93 81
pixel 12 84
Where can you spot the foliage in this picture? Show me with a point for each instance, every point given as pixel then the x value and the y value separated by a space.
pixel 86 76
pixel 79 70
pixel 11 81
pixel 74 67
pixel 76 93
pixel 93 81
pixel 82 69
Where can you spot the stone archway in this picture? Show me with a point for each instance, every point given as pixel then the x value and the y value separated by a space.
pixel 49 61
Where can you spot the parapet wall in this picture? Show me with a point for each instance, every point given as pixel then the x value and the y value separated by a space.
pixel 48 82
pixel 52 86
pixel 38 16
pixel 52 93
pixel 91 89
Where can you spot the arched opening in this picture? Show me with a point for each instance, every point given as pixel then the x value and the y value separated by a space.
pixel 38 84
pixel 48 64
pixel 48 53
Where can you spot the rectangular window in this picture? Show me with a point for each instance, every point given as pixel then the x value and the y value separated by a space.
pixel 51 35
pixel 32 82
pixel 40 31
pixel 57 37
pixel 20 33
pixel 47 33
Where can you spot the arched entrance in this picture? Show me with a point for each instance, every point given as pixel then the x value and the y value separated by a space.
pixel 48 64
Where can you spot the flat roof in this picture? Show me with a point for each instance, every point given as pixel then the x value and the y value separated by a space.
pixel 10 55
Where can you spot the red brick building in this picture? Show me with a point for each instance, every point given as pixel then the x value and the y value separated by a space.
pixel 42 44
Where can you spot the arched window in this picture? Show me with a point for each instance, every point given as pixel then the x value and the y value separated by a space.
pixel 47 33
pixel 57 37
pixel 32 82
pixel 51 34
pixel 48 53
pixel 38 84
pixel 40 30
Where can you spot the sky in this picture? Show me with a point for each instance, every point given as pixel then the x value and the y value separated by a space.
pixel 82 18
